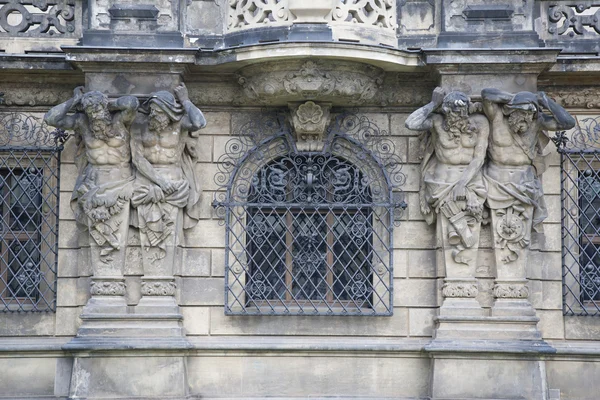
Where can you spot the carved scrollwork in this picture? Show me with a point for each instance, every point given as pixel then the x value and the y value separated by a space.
pixel 511 291
pixel 380 13
pixel 252 13
pixel 464 290
pixel 54 17
pixel 158 288
pixel 107 288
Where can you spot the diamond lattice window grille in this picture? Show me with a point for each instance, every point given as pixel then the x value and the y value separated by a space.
pixel 580 202
pixel 309 233
pixel 29 190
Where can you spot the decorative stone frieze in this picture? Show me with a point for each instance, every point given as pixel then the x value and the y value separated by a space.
pixel 99 287
pixel 511 291
pixel 468 290
pixel 158 288
pixel 576 96
pixel 332 81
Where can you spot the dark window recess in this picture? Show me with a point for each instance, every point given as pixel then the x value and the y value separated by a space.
pixel 29 190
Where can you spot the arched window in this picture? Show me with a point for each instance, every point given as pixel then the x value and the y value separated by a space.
pixel 309 232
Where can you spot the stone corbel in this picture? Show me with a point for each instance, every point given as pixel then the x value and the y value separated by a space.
pixel 310 121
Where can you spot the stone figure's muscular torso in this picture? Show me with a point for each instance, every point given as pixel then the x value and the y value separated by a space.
pixel 163 147
pixel 455 151
pixel 113 150
pixel 503 148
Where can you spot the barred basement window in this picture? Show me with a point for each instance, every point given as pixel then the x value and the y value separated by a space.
pixel 309 232
pixel 580 197
pixel 29 190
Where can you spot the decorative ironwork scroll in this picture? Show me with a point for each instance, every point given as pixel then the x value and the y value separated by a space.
pixel 29 192
pixel 572 20
pixel 309 232
pixel 37 17
pixel 580 198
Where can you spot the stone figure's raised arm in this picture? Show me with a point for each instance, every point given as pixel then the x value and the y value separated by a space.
pixel 127 105
pixel 58 116
pixel 560 119
pixel 419 120
pixel 492 99
pixel 193 119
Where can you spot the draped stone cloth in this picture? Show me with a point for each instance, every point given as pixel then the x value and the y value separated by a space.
pixel 509 186
pixel 437 191
pixel 100 194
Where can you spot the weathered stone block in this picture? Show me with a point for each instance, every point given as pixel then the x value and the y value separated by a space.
pixel 488 379
pixel 400 263
pixel 69 235
pixel 414 235
pixel 68 176
pixel 308 377
pixel 554 208
pixel 196 262
pixel 206 174
pixel 65 211
pixel 27 377
pixel 68 264
pixel 414 207
pixel 581 328
pixel 217 123
pixel 577 379
pixel 414 150
pixel 27 324
pixel 422 264
pixel 67 321
pixel 397 126
pixel 67 290
pixel 208 233
pixel 202 291
pixel 396 325
pixel 217 265
pixel 551 180
pixel 413 176
pixel 421 321
pixel 551 324
pixel 196 320
pixel 415 292
pixel 109 377
pixel 204 147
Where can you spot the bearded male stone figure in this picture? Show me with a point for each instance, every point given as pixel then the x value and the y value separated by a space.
pixel 102 193
pixel 515 194
pixel 167 191
pixel 452 190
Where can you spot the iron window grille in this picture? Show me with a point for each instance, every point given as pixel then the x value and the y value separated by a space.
pixel 580 203
pixel 309 233
pixel 29 190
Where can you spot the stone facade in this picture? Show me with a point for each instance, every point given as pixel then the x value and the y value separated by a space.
pixel 147 264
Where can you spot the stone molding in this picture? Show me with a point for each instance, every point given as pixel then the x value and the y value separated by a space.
pixel 511 291
pixel 158 288
pixel 339 81
pixel 104 287
pixel 468 290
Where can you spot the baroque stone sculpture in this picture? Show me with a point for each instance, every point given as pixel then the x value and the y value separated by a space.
pixel 515 194
pixel 452 190
pixel 167 191
pixel 102 193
